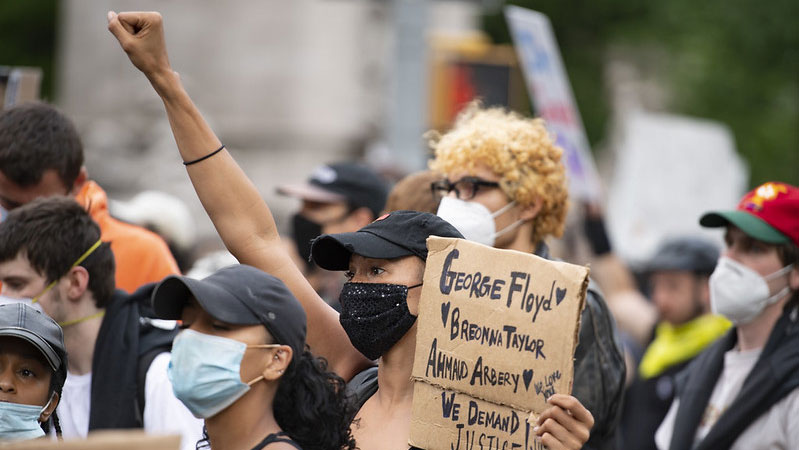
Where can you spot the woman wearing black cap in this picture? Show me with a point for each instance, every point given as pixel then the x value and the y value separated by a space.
pixel 241 364
pixel 246 226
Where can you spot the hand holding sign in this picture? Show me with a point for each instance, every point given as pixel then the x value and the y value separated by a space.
pixel 566 425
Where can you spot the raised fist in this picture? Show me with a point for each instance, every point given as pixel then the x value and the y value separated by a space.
pixel 141 35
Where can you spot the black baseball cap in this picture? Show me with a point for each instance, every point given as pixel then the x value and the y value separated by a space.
pixel 353 183
pixel 25 322
pixel 688 253
pixel 239 295
pixel 393 235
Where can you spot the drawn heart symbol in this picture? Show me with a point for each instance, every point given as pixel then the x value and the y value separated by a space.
pixel 560 294
pixel 444 313
pixel 527 376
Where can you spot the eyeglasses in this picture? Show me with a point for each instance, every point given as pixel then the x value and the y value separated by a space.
pixel 465 188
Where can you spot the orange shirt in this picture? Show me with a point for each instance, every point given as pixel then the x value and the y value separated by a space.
pixel 141 256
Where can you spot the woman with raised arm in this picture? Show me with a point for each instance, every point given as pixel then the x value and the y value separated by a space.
pixel 378 269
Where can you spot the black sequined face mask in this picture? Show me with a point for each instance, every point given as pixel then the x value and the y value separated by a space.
pixel 375 315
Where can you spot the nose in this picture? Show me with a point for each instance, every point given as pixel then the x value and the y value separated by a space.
pixel 6 382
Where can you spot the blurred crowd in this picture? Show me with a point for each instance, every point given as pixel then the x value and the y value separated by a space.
pixel 113 316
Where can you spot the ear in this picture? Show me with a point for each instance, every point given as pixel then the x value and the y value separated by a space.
pixel 278 363
pixel 528 212
pixel 703 291
pixel 793 277
pixel 77 282
pixel 361 217
pixel 48 411
pixel 83 177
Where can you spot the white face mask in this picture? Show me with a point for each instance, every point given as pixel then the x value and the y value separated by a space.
pixel 473 220
pixel 4 300
pixel 741 294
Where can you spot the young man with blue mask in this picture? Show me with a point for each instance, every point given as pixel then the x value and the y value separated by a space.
pixel 743 391
pixel 51 256
pixel 33 367
pixel 505 186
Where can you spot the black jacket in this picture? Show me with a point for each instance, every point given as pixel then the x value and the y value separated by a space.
pixel 125 347
pixel 599 368
pixel 775 374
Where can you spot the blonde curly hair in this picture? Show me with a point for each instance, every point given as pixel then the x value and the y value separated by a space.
pixel 519 150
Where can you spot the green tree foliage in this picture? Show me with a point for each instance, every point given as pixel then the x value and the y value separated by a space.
pixel 735 61
pixel 27 37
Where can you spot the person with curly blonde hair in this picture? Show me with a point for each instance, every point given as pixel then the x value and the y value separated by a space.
pixel 503 147
pixel 504 185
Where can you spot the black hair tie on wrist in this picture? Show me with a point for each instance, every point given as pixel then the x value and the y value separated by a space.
pixel 188 163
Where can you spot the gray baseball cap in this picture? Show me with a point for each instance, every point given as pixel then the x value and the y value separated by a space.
pixel 687 253
pixel 25 322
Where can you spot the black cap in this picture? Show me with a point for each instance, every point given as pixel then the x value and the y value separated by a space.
pixel 685 253
pixel 25 322
pixel 238 295
pixel 355 184
pixel 393 235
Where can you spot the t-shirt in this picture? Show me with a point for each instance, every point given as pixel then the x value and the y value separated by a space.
pixel 73 408
pixel 775 429
pixel 163 413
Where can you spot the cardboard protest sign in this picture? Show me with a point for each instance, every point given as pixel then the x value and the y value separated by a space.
pixel 497 330
pixel 103 440
pixel 551 93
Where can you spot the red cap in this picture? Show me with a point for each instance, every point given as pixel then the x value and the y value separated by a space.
pixel 769 213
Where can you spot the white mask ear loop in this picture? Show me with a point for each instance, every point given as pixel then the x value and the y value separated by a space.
pixel 46 405
pixel 779 273
pixel 782 292
pixel 510 227
pixel 261 377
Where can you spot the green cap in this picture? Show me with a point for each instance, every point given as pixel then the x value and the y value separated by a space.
pixel 750 224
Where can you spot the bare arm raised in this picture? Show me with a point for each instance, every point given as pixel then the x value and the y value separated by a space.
pixel 240 215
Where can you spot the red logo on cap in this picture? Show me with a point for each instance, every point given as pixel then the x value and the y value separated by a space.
pixel 381 217
pixel 764 193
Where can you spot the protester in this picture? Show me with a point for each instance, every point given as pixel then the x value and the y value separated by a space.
pixel 246 226
pixel 743 391
pixel 506 187
pixel 413 193
pixel 337 198
pixel 33 367
pixel 241 363
pixel 678 282
pixel 52 256
pixel 41 155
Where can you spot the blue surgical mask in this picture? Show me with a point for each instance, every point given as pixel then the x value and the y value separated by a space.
pixel 205 371
pixel 20 422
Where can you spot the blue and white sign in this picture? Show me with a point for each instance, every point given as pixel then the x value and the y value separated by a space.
pixel 551 94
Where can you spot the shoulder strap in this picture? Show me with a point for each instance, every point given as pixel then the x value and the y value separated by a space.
pixel 277 437
pixel 362 386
